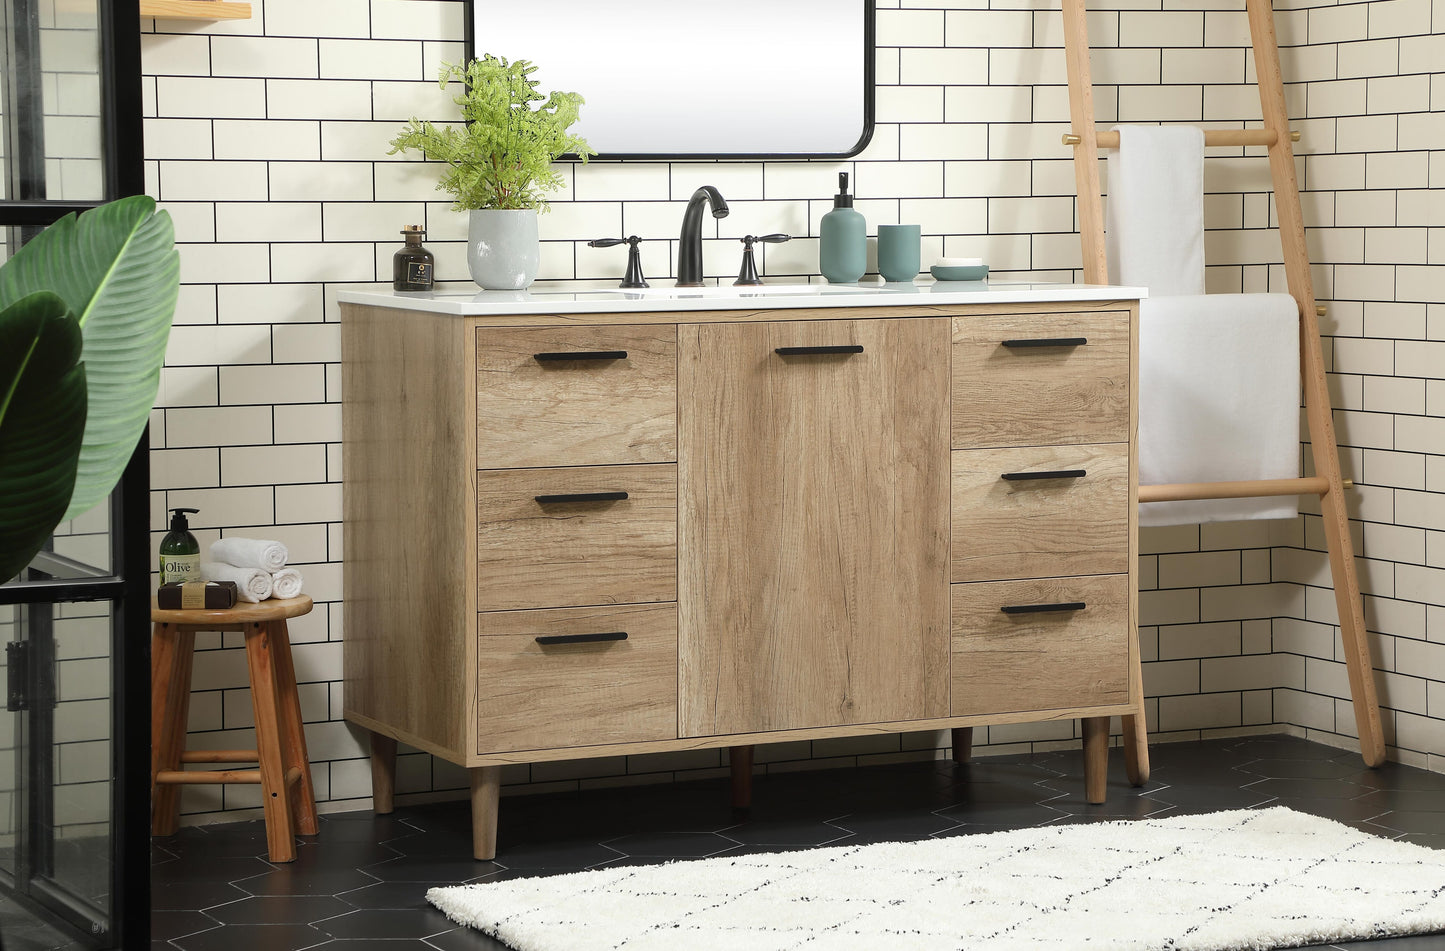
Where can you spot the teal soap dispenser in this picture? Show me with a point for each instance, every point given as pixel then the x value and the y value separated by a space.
pixel 843 239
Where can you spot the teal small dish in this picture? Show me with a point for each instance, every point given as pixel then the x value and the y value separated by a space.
pixel 943 272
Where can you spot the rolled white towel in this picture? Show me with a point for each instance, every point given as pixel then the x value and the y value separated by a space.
pixel 250 553
pixel 252 584
pixel 285 583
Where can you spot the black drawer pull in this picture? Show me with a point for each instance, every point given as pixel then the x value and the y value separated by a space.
pixel 581 638
pixel 804 351
pixel 581 497
pixel 1042 608
pixel 1045 342
pixel 580 355
pixel 1050 474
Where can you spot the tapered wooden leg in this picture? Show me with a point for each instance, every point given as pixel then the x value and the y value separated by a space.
pixel 293 732
pixel 260 658
pixel 171 650
pixel 1136 731
pixel 740 760
pixel 1096 758
pixel 383 773
pixel 962 744
pixel 486 792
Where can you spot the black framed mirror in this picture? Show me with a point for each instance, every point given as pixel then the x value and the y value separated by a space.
pixel 751 79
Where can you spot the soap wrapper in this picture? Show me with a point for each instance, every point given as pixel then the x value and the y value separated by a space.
pixel 196 595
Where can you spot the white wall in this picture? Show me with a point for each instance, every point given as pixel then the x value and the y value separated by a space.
pixel 267 142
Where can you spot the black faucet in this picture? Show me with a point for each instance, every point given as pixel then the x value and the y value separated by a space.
pixel 689 248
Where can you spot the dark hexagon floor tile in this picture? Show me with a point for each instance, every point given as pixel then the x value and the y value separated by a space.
pixel 387 923
pixel 1200 798
pixel 1288 747
pixel 279 910
pixel 670 844
pixel 1116 806
pixel 375 944
pixel 176 924
pixel 1429 840
pixel 226 868
pixel 886 827
pixel 784 834
pixel 285 880
pixel 253 938
pixel 1395 776
pixel 426 868
pixel 193 895
pixel 1301 768
pixel 362 827
pixel 1406 800
pixel 388 895
pixel 465 939
pixel 1411 821
pixel 1307 788
pixel 562 856
pixel 1015 814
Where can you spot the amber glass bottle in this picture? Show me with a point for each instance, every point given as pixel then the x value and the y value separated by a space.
pixel 411 267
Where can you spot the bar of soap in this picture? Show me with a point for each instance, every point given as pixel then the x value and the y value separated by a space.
pixel 960 262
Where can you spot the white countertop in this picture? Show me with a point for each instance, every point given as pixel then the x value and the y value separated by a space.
pixel 467 301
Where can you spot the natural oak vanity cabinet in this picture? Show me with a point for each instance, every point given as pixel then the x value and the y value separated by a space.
pixel 612 526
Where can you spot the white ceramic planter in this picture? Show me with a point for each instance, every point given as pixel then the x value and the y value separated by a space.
pixel 502 248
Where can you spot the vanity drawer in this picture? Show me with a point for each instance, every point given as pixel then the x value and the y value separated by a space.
pixel 542 542
pixel 1040 512
pixel 1009 391
pixel 619 686
pixel 576 396
pixel 1005 662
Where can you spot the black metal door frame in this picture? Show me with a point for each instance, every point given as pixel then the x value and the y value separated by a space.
pixel 127 586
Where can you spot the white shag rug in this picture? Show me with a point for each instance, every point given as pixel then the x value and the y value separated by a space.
pixel 1253 878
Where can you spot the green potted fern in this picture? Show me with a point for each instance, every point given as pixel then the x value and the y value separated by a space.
pixel 499 165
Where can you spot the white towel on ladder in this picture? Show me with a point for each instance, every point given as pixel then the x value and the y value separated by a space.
pixel 1155 213
pixel 1218 401
pixel 1218 374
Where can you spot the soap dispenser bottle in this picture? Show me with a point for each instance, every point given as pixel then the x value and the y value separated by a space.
pixel 843 239
pixel 180 552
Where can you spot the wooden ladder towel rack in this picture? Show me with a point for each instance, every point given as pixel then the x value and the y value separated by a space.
pixel 1327 484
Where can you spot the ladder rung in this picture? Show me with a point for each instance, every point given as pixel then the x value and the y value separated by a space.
pixel 192 777
pixel 1109 139
pixel 219 756
pixel 1255 489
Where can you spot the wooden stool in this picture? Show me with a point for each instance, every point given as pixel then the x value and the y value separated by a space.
pixel 284 772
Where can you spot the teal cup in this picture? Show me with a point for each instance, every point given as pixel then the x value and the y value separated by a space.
pixel 899 254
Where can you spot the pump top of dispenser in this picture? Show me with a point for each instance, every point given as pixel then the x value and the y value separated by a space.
pixel 843 199
pixel 178 519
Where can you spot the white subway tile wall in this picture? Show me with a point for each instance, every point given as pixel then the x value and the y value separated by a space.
pixel 267 139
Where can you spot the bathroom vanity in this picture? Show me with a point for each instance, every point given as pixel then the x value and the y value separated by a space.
pixel 607 523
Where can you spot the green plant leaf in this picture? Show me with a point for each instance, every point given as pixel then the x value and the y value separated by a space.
pixel 42 421
pixel 117 270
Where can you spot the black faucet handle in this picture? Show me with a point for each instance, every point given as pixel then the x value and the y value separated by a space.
pixel 633 278
pixel 748 239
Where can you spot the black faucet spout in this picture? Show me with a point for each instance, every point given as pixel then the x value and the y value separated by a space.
pixel 689 247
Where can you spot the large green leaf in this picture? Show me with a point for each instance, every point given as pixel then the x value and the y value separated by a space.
pixel 42 420
pixel 117 270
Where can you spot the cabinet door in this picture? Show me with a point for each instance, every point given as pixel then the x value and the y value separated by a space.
pixel 812 525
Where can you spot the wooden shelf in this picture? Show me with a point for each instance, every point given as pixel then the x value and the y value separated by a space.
pixel 195 9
